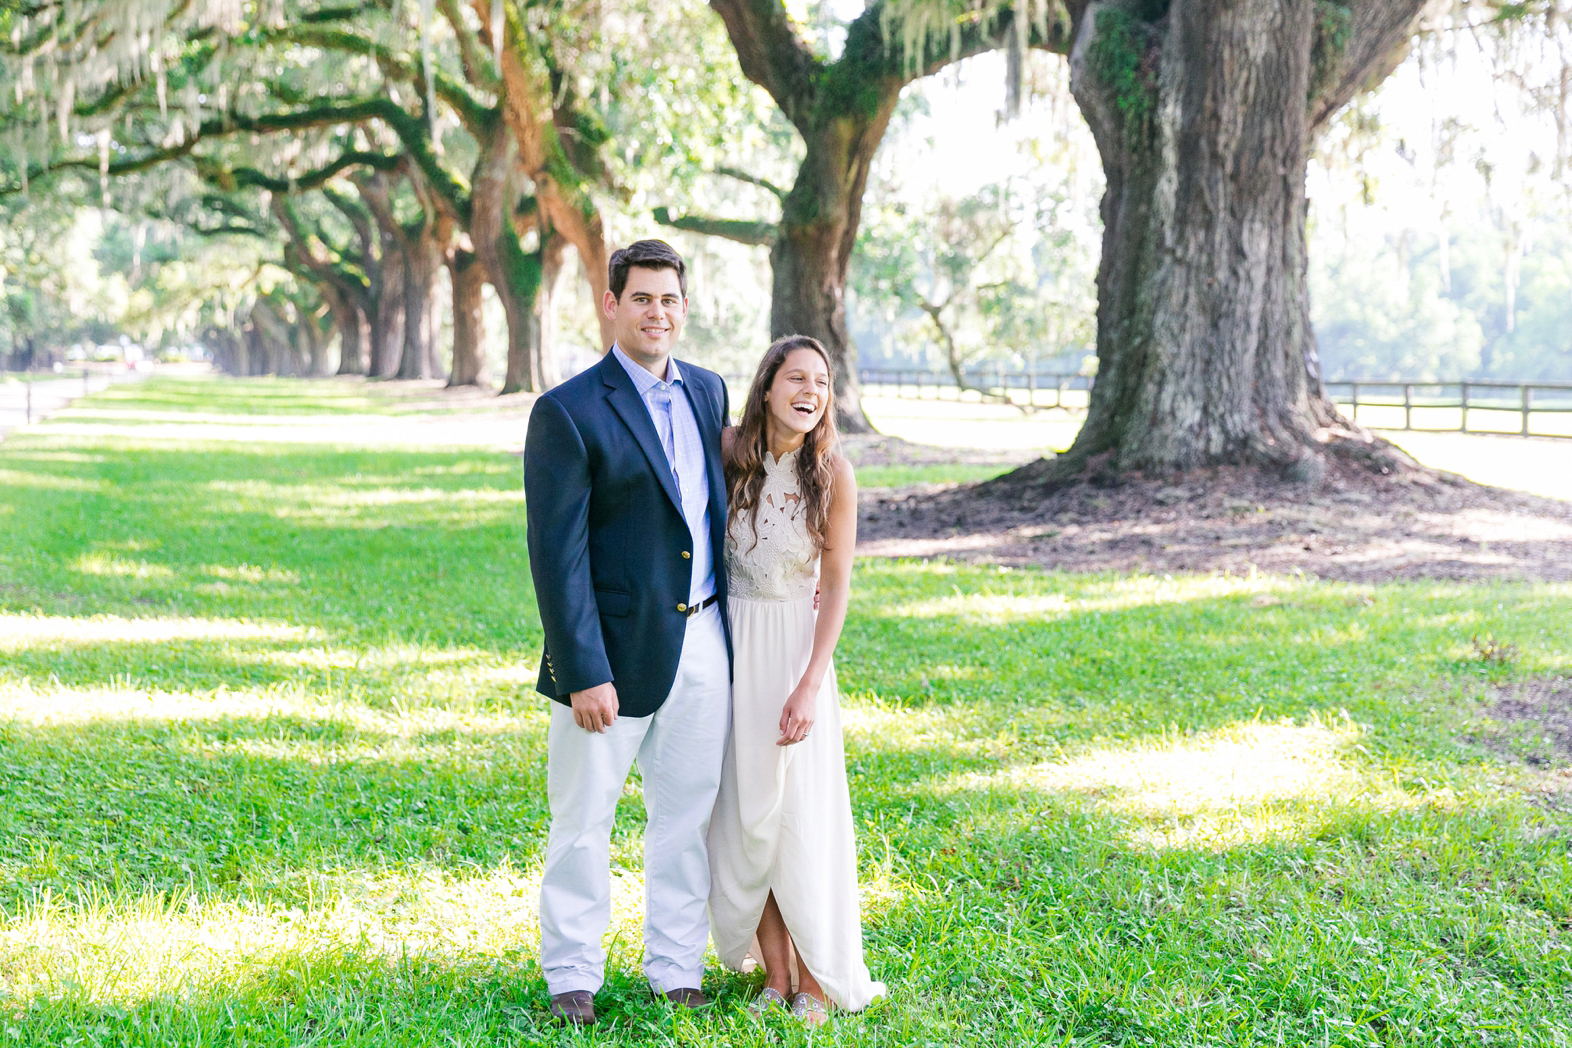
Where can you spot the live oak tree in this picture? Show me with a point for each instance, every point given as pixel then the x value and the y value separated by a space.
pixel 292 85
pixel 1205 113
pixel 841 107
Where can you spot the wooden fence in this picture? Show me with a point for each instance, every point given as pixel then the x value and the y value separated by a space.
pixel 1024 389
pixel 1530 409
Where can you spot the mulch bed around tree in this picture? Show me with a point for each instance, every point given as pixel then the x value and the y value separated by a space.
pixel 1355 525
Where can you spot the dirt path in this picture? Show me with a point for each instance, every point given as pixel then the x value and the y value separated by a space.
pixel 1356 527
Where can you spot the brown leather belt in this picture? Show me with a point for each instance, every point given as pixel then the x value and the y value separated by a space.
pixel 694 609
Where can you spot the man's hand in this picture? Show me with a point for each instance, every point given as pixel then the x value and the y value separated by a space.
pixel 595 709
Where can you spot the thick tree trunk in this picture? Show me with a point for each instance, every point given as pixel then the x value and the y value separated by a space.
pixel 313 343
pixel 468 278
pixel 513 274
pixel 387 319
pixel 1202 115
pixel 517 287
pixel 842 108
pixel 818 231
pixel 388 285
pixel 272 341
pixel 352 330
pixel 422 256
pixel 543 357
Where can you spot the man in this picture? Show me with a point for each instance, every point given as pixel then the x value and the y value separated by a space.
pixel 627 510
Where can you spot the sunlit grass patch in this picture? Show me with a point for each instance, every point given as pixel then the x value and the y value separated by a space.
pixel 29 479
pixel 1243 784
pixel 23 631
pixel 117 947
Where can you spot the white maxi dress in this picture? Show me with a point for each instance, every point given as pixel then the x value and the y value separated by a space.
pixel 783 818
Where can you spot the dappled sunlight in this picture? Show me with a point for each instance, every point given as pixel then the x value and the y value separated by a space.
pixel 250 573
pixel 337 496
pixel 1084 595
pixel 358 504
pixel 64 706
pixel 126 949
pixel 119 567
pixel 75 458
pixel 1243 784
pixel 872 728
pixel 25 631
pixel 987 607
pixel 14 478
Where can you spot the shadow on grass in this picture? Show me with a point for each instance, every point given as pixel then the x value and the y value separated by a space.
pixel 1019 892
pixel 224 805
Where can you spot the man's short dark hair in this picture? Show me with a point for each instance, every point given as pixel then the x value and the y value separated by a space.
pixel 648 254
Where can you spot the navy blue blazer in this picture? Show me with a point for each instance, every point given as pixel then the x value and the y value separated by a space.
pixel 608 546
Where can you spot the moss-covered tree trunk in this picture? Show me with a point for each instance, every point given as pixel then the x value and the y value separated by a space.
pixel 818 230
pixel 536 103
pixel 1203 112
pixel 842 109
pixel 467 277
pixel 385 261
pixel 514 274
pixel 422 256
pixel 387 321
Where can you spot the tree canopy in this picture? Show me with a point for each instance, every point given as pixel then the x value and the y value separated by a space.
pixel 307 186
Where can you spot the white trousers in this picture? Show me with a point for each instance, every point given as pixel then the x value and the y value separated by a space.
pixel 679 749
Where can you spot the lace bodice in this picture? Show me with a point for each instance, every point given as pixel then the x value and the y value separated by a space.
pixel 784 563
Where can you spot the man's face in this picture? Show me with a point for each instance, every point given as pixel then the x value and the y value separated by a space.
pixel 648 318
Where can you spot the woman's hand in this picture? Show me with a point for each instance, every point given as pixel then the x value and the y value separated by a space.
pixel 798 714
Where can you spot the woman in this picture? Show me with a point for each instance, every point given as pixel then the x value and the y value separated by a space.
pixel 783 859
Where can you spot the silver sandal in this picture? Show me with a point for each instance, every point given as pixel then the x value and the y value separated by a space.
pixel 809 1009
pixel 767 1001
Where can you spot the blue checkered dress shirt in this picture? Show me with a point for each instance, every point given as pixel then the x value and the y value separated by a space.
pixel 679 435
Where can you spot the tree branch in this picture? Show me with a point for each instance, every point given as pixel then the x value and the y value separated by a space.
pixel 477 70
pixel 1367 42
pixel 250 176
pixel 740 230
pixel 743 176
pixel 771 51
pixel 321 115
pixel 471 111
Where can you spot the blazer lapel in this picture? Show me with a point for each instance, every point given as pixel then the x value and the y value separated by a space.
pixel 625 400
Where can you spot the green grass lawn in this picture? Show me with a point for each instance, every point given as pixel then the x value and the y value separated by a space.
pixel 271 773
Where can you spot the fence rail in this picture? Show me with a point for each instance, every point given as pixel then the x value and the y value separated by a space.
pixel 1529 409
pixel 1024 389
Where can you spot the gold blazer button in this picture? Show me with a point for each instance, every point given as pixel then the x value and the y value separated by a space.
pixel 686 555
pixel 682 607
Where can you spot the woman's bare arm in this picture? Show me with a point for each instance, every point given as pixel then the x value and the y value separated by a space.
pixel 835 568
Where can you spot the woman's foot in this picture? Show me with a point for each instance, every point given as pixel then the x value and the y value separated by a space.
pixel 768 1000
pixel 809 1010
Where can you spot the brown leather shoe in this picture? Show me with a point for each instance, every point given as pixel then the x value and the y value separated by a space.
pixel 574 1008
pixel 687 997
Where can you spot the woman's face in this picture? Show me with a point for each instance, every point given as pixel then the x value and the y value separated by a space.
pixel 800 393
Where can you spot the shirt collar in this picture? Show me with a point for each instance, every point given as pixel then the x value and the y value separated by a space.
pixel 643 381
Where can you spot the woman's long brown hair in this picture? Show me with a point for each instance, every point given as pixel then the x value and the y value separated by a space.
pixel 815 459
